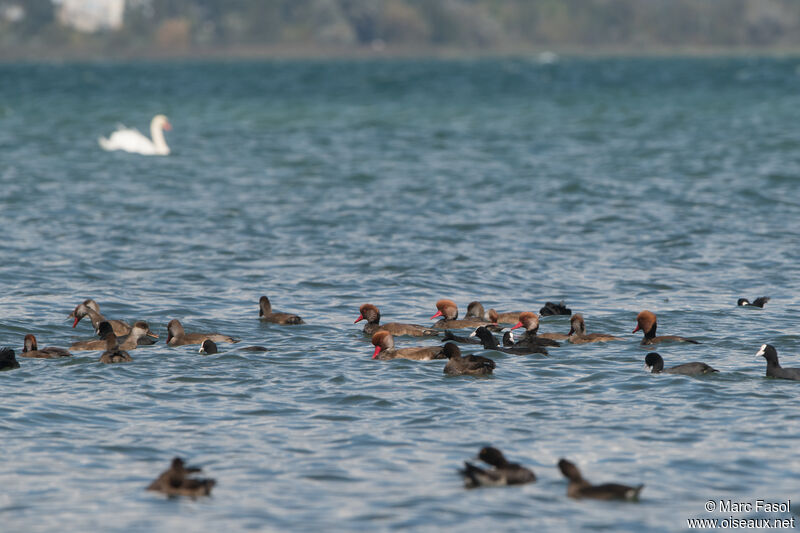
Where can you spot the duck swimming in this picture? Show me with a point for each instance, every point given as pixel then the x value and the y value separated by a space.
pixel 176 336
pixel 30 349
pixel 385 350
pixel 372 315
pixel 580 488
pixel 469 365
pixel 503 473
pixel 577 333
pixel 90 308
pixel 103 330
pixel 7 359
pixel 448 310
pixel 646 321
pixel 530 322
pixel 266 314
pixel 113 354
pixel 175 481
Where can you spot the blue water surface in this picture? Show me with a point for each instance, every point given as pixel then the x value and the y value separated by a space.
pixel 616 185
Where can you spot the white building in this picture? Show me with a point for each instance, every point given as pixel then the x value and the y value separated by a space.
pixel 12 12
pixel 91 15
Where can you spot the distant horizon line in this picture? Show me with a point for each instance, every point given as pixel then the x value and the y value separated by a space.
pixel 303 52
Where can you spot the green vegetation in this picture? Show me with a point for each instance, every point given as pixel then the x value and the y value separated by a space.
pixel 186 27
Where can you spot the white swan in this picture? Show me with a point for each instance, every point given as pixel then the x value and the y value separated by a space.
pixel 132 140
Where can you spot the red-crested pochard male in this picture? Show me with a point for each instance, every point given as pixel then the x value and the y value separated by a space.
pixel 448 310
pixel 385 350
pixel 266 314
pixel 466 365
pixel 654 364
pixel 31 349
pixel 92 310
pixel 175 481
pixel 372 315
pixel 581 488
pixel 176 336
pixel 503 473
pixel 530 321
pixel 7 359
pixel 113 353
pixel 578 335
pixel 646 321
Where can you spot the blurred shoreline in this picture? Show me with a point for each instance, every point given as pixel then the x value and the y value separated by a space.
pixel 543 54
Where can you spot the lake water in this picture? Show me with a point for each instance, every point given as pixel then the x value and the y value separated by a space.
pixel 616 185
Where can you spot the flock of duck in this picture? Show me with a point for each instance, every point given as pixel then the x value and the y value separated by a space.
pixel 116 338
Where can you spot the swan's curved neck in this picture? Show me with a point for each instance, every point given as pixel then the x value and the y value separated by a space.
pixel 157 134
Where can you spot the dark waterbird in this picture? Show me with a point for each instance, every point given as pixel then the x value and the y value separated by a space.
pixel 581 488
pixel 647 322
pixel 552 309
pixel 113 353
pixel 758 302
pixel 489 342
pixel 467 365
pixel 503 473
pixel 266 314
pixel 774 368
pixel 452 337
pixel 104 329
pixel 7 359
pixel 175 481
pixel 372 315
pixel 655 365
pixel 209 347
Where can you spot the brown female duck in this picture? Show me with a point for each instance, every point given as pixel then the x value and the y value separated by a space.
pixel 30 349
pixel 578 335
pixel 372 315
pixel 176 336
pixel 266 314
pixel 385 350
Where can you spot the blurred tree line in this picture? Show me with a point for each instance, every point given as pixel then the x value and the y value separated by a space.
pixel 408 24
